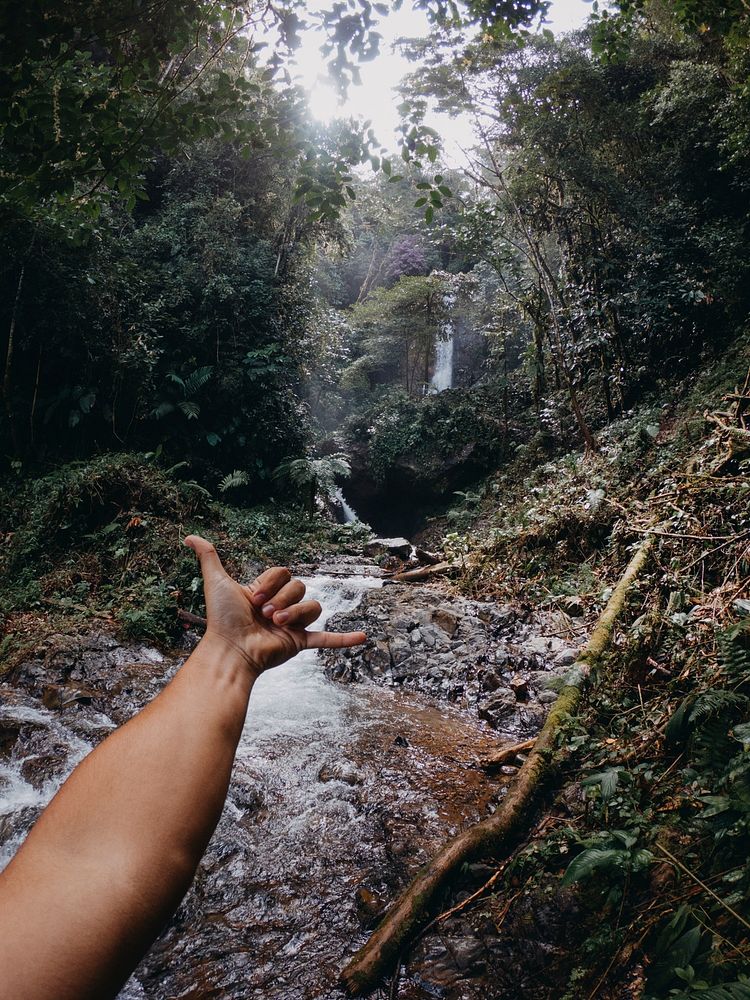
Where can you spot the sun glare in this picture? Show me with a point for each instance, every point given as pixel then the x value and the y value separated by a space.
pixel 376 98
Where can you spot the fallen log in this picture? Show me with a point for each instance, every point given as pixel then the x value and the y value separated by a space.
pixel 190 619
pixel 425 572
pixel 507 753
pixel 499 832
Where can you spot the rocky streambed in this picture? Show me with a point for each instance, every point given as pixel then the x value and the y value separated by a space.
pixel 486 658
pixel 340 791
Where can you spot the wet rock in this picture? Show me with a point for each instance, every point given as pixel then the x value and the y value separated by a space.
pixel 450 648
pixel 499 709
pixel 339 772
pixel 8 736
pixel 565 658
pixel 491 681
pixel 530 718
pixel 520 687
pixel 370 907
pixel 400 649
pixel 547 697
pixel 380 657
pixel 400 547
pixel 445 620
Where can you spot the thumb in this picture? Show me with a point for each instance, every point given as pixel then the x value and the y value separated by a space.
pixel 211 566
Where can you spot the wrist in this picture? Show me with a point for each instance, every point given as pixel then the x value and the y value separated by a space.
pixel 229 656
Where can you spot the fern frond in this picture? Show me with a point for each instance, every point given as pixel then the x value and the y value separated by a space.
pixel 190 409
pixel 233 479
pixel 734 650
pixel 198 379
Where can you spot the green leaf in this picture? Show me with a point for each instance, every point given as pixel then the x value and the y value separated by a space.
pixel 589 861
pixel 607 782
pixel 678 727
pixel 190 408
pixel 742 733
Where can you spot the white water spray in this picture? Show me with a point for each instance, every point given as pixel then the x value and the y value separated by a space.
pixel 442 376
pixel 350 514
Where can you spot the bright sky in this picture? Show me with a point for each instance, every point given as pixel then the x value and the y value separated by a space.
pixel 375 99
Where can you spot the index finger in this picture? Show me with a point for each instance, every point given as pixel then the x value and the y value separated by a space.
pixel 334 640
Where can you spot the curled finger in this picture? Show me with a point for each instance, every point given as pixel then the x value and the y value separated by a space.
pixel 298 615
pixel 291 593
pixel 268 584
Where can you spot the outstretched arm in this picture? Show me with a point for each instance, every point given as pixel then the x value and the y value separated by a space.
pixel 112 855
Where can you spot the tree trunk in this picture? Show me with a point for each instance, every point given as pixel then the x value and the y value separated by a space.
pixel 8 372
pixel 606 390
pixel 497 834
pixel 32 414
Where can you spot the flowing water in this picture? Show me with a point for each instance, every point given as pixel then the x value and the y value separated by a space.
pixel 348 513
pixel 336 789
pixel 442 376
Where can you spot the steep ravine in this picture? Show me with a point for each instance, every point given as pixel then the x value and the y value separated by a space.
pixel 339 793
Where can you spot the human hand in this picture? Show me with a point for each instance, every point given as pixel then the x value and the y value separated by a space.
pixel 265 622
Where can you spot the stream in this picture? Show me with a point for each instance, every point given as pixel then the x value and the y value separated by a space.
pixel 339 794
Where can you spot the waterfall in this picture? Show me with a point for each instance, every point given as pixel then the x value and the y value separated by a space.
pixel 348 512
pixel 442 376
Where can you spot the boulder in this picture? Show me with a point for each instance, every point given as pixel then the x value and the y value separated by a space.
pixel 400 547
pixel 499 709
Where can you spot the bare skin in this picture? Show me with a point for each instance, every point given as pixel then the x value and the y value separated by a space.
pixel 113 854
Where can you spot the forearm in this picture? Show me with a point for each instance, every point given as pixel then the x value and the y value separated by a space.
pixel 114 852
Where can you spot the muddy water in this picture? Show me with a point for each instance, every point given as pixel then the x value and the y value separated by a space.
pixel 335 789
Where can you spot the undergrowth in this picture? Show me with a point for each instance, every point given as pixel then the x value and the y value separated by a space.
pixel 101 542
pixel 650 832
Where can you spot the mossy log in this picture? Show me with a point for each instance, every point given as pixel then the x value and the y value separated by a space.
pixel 499 832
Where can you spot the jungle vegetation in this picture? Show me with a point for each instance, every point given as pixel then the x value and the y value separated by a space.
pixel 214 310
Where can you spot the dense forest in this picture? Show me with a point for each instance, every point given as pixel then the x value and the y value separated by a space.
pixel 220 315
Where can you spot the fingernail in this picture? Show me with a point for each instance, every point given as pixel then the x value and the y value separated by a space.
pixel 260 598
pixel 268 610
pixel 281 617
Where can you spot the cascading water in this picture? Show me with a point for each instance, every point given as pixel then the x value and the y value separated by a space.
pixel 442 376
pixel 347 511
